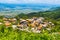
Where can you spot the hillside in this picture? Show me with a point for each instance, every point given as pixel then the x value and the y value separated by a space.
pixel 54 14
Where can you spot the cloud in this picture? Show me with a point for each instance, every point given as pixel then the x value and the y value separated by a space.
pixel 31 1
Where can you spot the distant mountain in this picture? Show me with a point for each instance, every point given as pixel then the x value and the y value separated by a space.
pixel 11 10
pixel 15 9
pixel 6 7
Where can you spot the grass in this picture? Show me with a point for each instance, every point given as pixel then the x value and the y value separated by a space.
pixel 10 34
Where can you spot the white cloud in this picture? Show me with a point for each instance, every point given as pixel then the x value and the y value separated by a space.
pixel 31 1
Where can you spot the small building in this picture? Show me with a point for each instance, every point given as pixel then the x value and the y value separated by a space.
pixel 5 19
pixel 7 23
pixel 1 23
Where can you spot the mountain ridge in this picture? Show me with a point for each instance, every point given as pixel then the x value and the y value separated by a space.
pixel 25 6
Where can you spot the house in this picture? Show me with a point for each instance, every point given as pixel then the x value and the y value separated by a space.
pixel 20 26
pixel 5 19
pixel 41 18
pixel 1 23
pixel 45 24
pixel 40 27
pixel 14 26
pixel 24 23
pixel 7 23
pixel 13 19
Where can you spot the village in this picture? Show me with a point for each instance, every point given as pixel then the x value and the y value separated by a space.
pixel 30 25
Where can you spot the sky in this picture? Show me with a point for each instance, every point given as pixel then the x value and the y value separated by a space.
pixel 30 1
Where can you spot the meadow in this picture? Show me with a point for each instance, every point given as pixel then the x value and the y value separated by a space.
pixel 10 34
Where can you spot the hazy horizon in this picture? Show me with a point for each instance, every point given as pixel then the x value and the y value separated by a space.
pixel 55 2
pixel 27 6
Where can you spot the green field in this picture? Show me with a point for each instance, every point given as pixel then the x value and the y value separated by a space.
pixel 10 34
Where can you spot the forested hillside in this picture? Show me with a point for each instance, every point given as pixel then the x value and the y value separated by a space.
pixel 54 14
